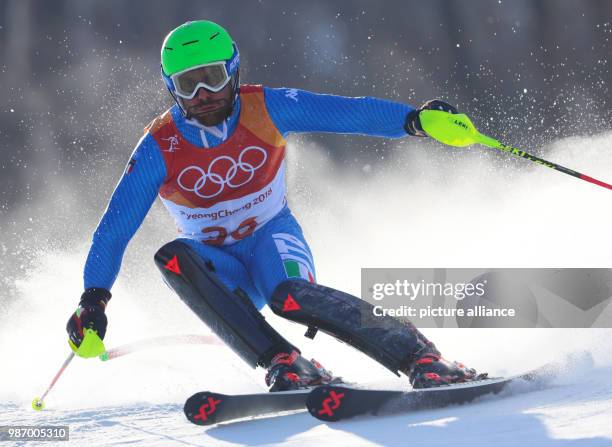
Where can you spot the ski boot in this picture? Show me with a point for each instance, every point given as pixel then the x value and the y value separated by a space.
pixel 293 372
pixel 431 370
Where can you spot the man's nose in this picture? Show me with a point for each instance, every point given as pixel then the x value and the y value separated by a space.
pixel 203 94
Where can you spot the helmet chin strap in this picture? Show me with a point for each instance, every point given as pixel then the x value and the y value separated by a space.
pixel 236 86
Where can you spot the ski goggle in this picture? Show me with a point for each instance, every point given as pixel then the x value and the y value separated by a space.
pixel 212 76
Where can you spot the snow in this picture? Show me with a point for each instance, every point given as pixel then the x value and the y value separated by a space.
pixel 575 412
pixel 458 208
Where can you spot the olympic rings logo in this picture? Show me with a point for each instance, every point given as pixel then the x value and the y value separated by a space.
pixel 210 177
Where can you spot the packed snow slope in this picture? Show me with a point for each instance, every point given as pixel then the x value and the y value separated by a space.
pixel 429 206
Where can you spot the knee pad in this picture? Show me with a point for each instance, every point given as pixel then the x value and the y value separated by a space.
pixel 391 342
pixel 230 315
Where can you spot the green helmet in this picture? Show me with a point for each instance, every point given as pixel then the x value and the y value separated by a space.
pixel 197 43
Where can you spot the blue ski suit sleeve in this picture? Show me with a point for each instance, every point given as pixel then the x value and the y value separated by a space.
pixel 128 206
pixel 294 110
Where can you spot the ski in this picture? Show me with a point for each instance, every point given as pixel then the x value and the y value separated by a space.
pixel 334 402
pixel 207 408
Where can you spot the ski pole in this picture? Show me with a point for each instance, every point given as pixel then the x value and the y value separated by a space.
pixel 91 346
pixel 38 403
pixel 170 340
pixel 457 130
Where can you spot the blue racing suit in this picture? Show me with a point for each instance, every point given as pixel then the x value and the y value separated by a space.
pixel 277 250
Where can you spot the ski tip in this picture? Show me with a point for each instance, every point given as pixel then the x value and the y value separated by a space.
pixel 202 408
pixel 326 402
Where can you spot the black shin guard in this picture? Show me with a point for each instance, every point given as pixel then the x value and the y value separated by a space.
pixel 392 343
pixel 230 315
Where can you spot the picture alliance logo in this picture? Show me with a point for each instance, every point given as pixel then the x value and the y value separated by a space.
pixel 412 290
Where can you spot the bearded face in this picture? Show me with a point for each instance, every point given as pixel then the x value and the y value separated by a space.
pixel 209 108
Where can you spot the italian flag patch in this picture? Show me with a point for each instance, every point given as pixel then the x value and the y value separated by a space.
pixel 295 269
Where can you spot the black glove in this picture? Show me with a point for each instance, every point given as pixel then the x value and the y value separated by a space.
pixel 413 124
pixel 89 315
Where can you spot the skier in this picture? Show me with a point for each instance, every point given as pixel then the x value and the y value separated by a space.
pixel 216 160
